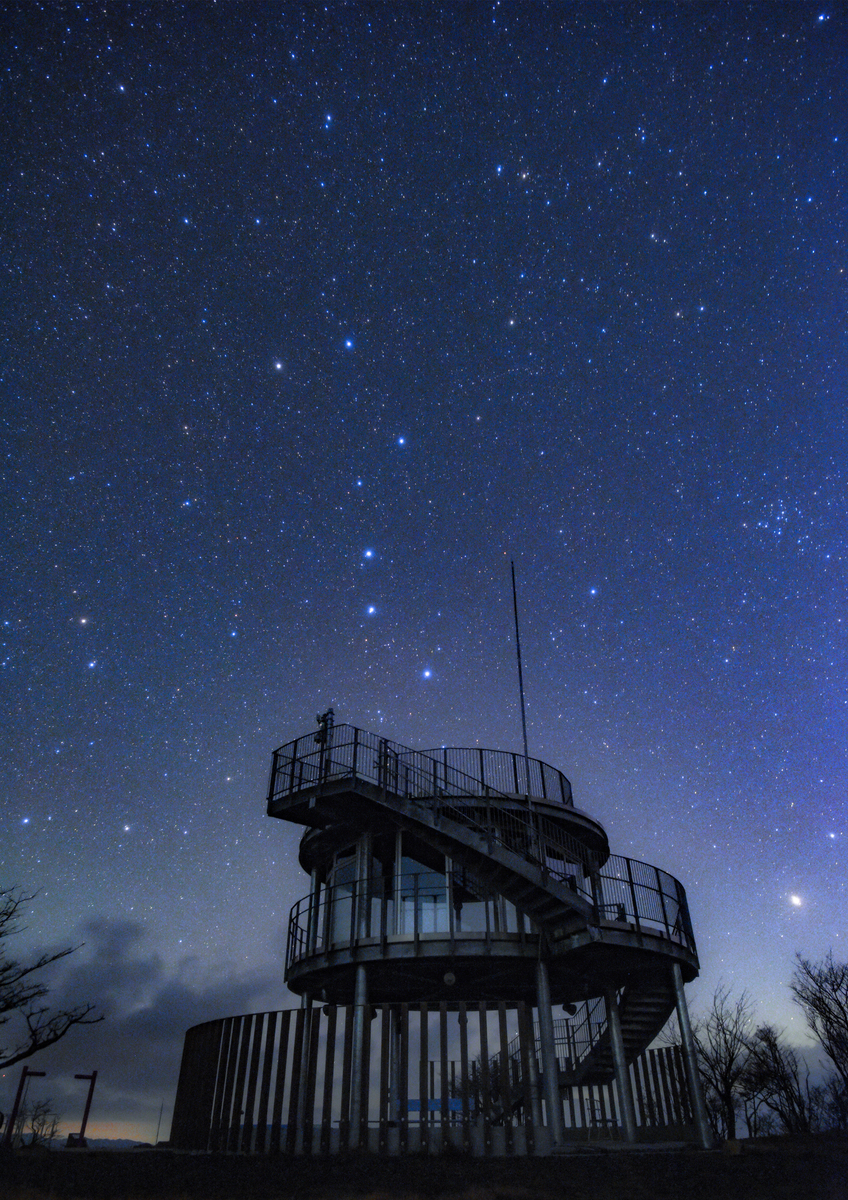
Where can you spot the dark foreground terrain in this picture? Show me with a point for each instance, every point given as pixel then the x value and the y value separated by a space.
pixel 811 1168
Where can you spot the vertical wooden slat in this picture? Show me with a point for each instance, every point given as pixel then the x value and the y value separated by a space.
pixel 636 1091
pixel 347 1058
pixel 307 1116
pixel 265 1086
pixel 649 1111
pixel 403 1079
pixel 572 1116
pixel 238 1088
pixel 602 1106
pixel 329 1079
pixel 383 1109
pixel 661 1106
pixel 222 1135
pixel 582 1103
pixel 250 1097
pixel 526 1048
pixel 280 1083
pixel 220 1080
pixel 485 1081
pixel 423 1098
pixel 669 1084
pixel 683 1085
pixel 657 1099
pixel 365 1089
pixel 506 1087
pixel 463 1077
pixel 295 1098
pixel 443 1070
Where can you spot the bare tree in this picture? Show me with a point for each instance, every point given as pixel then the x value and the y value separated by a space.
pixel 832 1099
pixel 821 989
pixel 21 991
pixel 722 1040
pixel 39 1121
pixel 773 1074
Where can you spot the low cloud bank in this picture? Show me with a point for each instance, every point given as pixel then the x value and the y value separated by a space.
pixel 147 1007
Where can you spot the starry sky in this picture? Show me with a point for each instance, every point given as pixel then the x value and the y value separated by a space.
pixel 314 317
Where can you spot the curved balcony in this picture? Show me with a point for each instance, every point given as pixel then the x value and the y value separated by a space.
pixel 626 896
pixel 448 771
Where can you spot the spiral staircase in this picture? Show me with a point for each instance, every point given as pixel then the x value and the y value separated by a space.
pixel 506 827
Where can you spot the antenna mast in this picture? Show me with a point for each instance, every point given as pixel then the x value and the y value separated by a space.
pixel 521 685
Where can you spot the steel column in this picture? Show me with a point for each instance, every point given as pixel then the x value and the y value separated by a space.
pixel 622 1075
pixel 360 1003
pixel 550 1067
pixel 690 1060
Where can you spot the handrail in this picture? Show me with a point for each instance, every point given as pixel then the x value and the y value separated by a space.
pixel 623 889
pixel 500 771
pixel 417 776
pixel 575 1039
pixel 413 904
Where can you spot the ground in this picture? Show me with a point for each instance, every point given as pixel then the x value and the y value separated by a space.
pixel 811 1168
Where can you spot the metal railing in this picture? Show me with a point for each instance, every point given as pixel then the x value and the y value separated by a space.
pixel 410 905
pixel 621 890
pixel 506 772
pixel 574 1038
pixel 471 770
pixel 351 753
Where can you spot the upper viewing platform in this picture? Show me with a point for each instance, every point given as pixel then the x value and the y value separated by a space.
pixel 347 752
pixel 500 794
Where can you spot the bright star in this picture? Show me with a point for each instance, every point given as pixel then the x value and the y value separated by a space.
pixel 427 674
pixel 369 554
pixel 796 901
pixel 371 609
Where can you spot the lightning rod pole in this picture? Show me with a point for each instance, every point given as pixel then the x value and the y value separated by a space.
pixel 521 688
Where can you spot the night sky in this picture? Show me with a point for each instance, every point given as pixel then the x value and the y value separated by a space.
pixel 316 316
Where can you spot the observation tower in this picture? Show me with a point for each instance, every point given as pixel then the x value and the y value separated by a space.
pixel 475 967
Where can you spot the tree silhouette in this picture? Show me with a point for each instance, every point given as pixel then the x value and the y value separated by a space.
pixel 722 1040
pixel 821 989
pixel 21 991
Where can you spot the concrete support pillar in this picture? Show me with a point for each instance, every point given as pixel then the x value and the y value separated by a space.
pixel 358 1065
pixel 622 1074
pixel 550 1067
pixel 690 1061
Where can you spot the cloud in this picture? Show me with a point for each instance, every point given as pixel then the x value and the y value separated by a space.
pixel 147 1008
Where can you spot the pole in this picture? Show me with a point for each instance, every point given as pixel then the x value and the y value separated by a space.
pixel 690 1060
pixel 26 1074
pixel 93 1078
pixel 550 1066
pixel 627 1111
pixel 360 1000
pixel 521 686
